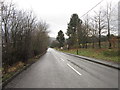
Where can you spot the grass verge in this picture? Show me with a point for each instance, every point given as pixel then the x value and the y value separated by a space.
pixel 103 54
pixel 12 70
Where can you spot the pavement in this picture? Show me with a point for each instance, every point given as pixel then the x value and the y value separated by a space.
pixel 103 62
pixel 59 70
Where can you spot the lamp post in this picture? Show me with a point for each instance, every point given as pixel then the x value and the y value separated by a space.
pixel 78 46
pixel 77 29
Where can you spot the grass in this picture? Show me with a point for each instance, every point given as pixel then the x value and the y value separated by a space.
pixel 103 54
pixel 12 70
pixel 16 67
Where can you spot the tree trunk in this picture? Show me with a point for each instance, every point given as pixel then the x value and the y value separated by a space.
pixel 93 46
pixel 99 41
pixel 109 34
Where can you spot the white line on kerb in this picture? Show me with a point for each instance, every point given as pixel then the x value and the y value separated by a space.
pixel 74 69
pixel 62 59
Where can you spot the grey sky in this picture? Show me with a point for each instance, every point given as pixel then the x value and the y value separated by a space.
pixel 58 12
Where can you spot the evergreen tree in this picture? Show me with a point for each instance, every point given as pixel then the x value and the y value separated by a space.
pixel 60 38
pixel 72 30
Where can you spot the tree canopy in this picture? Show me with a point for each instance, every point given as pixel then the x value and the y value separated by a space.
pixel 60 38
pixel 73 27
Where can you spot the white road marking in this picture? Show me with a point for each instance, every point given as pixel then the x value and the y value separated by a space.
pixel 55 57
pixel 62 59
pixel 74 69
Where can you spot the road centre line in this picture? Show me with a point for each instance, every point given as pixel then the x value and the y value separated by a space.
pixel 62 59
pixel 74 69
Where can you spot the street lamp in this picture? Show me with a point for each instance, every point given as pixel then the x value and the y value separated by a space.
pixel 77 32
pixel 78 46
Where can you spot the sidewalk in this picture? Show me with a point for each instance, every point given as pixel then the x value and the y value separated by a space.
pixel 102 62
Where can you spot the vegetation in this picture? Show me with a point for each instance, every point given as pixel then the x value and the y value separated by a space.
pixel 93 34
pixel 102 54
pixel 73 30
pixel 17 67
pixel 23 36
pixel 60 38
pixel 54 44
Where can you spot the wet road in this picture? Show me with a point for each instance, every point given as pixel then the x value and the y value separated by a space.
pixel 58 70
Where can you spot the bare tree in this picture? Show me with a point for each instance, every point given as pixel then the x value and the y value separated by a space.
pixel 111 13
pixel 93 32
pixel 108 16
pixel 89 30
pixel 6 12
pixel 100 19
pixel 22 34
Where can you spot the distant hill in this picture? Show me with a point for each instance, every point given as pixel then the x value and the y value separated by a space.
pixel 52 39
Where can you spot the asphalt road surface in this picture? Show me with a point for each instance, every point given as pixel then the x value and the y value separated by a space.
pixel 58 70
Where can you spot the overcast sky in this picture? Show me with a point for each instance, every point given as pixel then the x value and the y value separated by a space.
pixel 57 13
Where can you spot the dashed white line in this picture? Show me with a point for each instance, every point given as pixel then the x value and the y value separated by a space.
pixel 62 59
pixel 74 69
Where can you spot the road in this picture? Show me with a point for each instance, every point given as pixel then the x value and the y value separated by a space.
pixel 58 70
